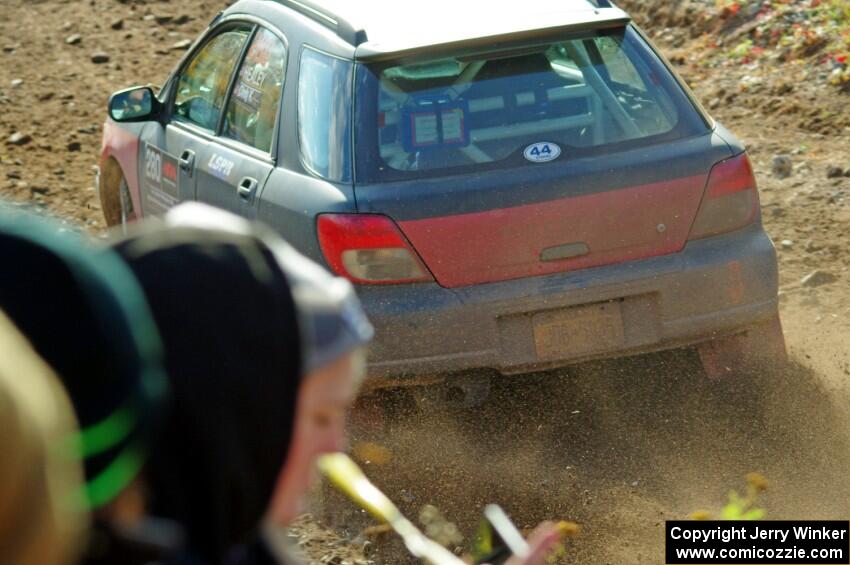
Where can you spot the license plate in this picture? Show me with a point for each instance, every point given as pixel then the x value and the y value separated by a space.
pixel 582 330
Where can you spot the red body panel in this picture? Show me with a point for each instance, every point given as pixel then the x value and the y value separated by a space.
pixel 123 146
pixel 618 225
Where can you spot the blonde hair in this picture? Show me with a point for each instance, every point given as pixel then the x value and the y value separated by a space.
pixel 39 524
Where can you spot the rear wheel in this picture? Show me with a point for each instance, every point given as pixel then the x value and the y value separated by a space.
pixel 761 347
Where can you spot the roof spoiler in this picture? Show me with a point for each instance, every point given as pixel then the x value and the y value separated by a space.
pixel 344 29
pixel 606 18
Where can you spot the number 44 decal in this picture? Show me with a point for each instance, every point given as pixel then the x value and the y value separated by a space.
pixel 542 152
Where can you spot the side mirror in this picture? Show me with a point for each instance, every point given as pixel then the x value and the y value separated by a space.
pixel 136 104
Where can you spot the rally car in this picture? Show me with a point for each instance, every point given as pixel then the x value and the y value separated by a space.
pixel 512 186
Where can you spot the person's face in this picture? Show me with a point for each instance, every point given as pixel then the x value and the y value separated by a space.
pixel 323 400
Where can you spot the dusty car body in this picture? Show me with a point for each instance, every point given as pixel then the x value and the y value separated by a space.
pixel 510 193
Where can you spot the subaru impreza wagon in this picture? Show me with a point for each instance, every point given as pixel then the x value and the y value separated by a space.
pixel 512 186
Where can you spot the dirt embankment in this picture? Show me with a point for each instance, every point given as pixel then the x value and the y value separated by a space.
pixel 59 61
pixel 620 447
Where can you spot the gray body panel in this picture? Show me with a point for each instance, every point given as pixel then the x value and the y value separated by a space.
pixel 231 178
pixel 174 142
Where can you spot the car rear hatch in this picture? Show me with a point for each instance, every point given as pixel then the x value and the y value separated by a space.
pixel 532 160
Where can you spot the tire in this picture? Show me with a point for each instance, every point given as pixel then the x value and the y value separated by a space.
pixel 115 200
pixel 760 347
pixel 128 214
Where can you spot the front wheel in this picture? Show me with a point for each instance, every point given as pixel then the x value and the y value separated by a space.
pixel 115 197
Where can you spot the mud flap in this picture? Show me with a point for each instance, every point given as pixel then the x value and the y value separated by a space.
pixel 760 347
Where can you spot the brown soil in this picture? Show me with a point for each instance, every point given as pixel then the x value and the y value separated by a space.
pixel 617 446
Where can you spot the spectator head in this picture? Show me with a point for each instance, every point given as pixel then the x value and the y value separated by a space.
pixel 38 523
pixel 85 315
pixel 263 353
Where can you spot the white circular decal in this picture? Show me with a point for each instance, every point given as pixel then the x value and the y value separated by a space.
pixel 542 152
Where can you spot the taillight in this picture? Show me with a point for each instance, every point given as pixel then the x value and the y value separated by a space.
pixel 731 199
pixel 369 249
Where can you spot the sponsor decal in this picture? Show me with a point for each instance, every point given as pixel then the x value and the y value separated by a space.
pixel 160 179
pixel 220 166
pixel 542 152
pixel 433 124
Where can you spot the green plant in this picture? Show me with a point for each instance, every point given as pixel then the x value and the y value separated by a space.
pixel 741 507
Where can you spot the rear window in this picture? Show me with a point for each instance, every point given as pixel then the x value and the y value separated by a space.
pixel 588 95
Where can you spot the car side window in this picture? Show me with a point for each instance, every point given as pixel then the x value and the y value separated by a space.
pixel 324 114
pixel 203 82
pixel 254 101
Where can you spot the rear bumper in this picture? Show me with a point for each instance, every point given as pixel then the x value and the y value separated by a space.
pixel 713 288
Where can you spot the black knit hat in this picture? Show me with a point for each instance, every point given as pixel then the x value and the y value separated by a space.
pixel 86 315
pixel 243 317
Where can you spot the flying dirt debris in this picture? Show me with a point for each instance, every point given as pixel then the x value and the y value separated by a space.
pixel 617 446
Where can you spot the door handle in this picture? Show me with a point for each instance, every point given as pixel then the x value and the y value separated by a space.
pixel 187 161
pixel 246 188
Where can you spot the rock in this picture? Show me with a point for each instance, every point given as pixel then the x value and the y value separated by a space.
pixel 182 19
pixel 45 96
pixel 117 24
pixel 74 146
pixel 811 246
pixel 818 278
pixel 74 39
pixel 787 244
pixel 17 82
pixel 9 48
pixel 148 17
pixel 162 20
pixel 181 45
pixel 99 58
pixel 19 138
pixel 777 211
pixel 39 189
pixel 782 166
pixel 67 26
pixel 14 175
pixel 833 172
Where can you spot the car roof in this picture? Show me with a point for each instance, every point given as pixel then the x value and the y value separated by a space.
pixel 382 28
